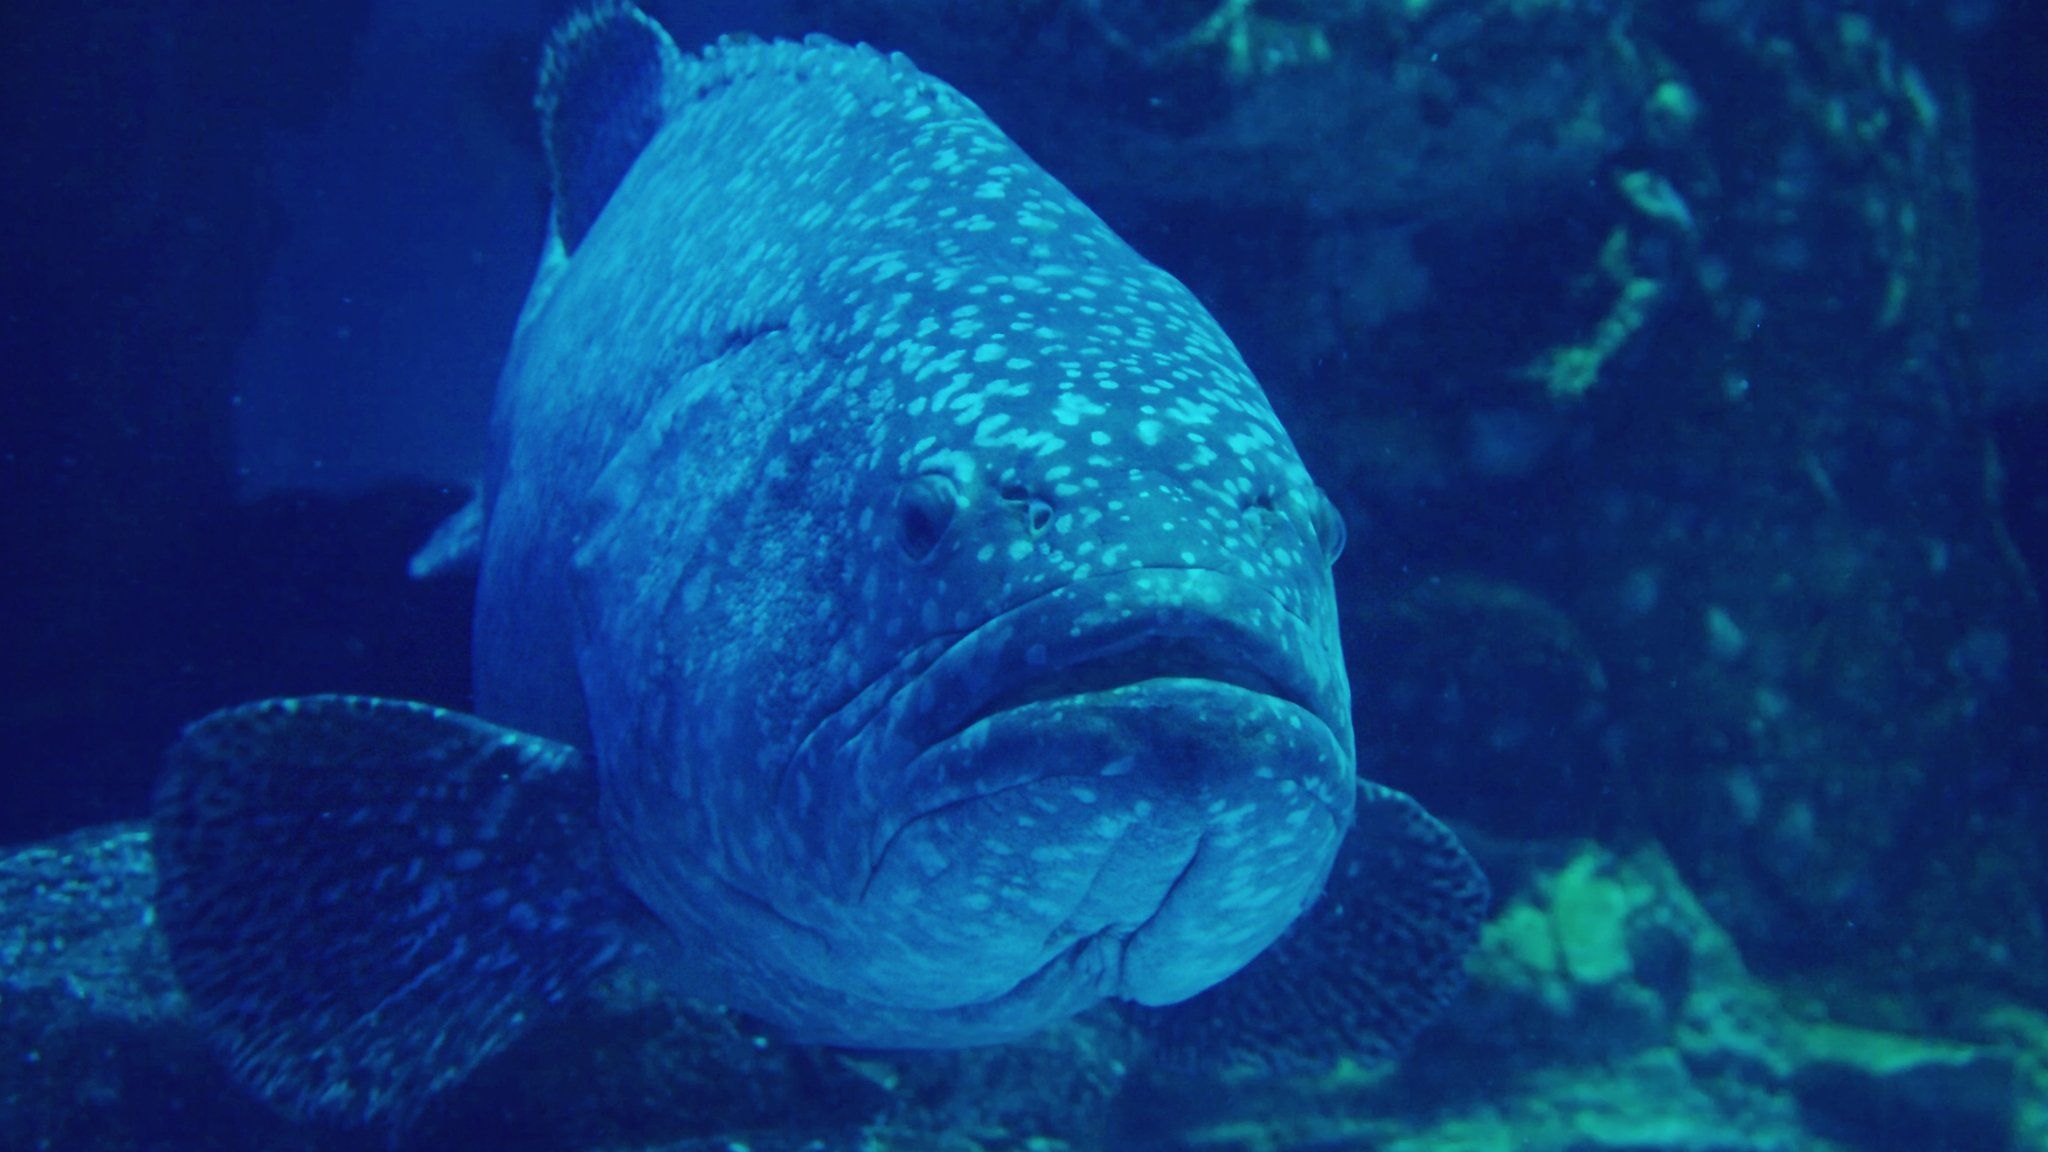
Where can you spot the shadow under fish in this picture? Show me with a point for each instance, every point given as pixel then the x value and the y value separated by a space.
pixel 901 617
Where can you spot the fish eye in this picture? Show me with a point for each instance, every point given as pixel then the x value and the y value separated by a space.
pixel 924 510
pixel 1329 527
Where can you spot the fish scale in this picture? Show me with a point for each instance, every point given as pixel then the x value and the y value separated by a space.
pixel 924 621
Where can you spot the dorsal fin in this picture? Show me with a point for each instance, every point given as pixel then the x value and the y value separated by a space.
pixel 604 82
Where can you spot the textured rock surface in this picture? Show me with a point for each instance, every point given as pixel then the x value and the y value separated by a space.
pixel 1607 1011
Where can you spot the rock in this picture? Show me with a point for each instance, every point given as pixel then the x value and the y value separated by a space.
pixel 93 1053
pixel 1608 1011
pixel 1590 915
pixel 79 926
pixel 1878 1090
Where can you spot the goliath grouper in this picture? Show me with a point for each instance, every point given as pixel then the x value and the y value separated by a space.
pixel 900 617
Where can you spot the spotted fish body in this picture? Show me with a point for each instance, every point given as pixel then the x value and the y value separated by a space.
pixel 852 294
pixel 934 604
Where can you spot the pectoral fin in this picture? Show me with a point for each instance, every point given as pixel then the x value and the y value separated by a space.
pixel 365 898
pixel 1366 968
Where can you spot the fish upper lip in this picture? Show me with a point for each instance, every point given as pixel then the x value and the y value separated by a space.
pixel 1125 662
pixel 1154 639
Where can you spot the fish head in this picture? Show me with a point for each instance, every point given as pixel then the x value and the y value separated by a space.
pixel 957 628
pixel 1102 741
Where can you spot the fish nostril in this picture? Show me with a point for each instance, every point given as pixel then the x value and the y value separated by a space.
pixel 925 509
pixel 1037 513
pixel 1260 514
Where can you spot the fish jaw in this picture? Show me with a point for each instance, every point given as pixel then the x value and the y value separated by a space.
pixel 1128 787
pixel 1166 832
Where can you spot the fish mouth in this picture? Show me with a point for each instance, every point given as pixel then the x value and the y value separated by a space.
pixel 1145 635
pixel 1132 781
pixel 1115 632
pixel 1127 663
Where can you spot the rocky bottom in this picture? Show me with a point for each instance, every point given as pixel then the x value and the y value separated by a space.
pixel 1607 1011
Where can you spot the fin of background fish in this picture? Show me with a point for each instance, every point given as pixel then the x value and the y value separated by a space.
pixel 604 83
pixel 365 898
pixel 1361 972
pixel 456 546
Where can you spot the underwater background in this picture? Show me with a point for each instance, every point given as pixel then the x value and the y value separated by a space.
pixel 1681 369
